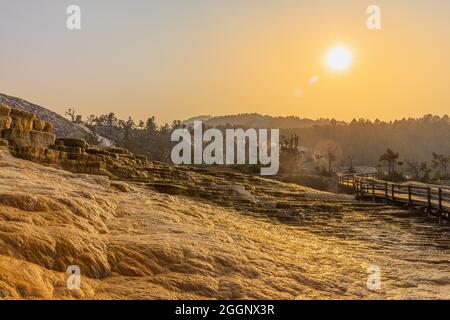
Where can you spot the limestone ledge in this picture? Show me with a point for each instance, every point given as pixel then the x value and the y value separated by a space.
pixel 32 139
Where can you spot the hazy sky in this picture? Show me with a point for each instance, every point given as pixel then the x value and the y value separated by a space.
pixel 176 59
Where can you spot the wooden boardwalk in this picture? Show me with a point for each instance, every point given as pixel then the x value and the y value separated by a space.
pixel 434 199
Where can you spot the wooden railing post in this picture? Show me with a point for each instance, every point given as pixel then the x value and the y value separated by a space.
pixel 429 201
pixel 363 187
pixel 358 185
pixel 393 193
pixel 386 191
pixel 373 191
pixel 361 190
pixel 409 196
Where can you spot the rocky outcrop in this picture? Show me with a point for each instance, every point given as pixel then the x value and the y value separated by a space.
pixel 5 119
pixel 72 142
pixel 22 129
pixel 62 126
pixel 4 143
pixel 5 110
pixel 28 138
pixel 32 139
pixel 22 120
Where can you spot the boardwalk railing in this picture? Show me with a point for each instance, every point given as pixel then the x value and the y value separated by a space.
pixel 435 199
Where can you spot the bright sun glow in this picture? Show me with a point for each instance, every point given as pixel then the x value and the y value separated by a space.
pixel 339 59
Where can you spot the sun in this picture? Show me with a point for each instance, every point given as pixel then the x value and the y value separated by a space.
pixel 339 59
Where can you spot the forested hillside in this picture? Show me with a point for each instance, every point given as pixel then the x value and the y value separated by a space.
pixel 362 141
pixel 365 141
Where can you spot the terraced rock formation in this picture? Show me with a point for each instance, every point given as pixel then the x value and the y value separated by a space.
pixel 32 139
pixel 140 229
pixel 29 138
pixel 62 126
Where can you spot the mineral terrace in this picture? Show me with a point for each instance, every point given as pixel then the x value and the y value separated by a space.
pixel 139 229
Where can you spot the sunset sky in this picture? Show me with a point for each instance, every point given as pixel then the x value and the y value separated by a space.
pixel 177 59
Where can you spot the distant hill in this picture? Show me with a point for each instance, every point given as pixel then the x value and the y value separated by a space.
pixel 62 126
pixel 255 120
pixel 190 122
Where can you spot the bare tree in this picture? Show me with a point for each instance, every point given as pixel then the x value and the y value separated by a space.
pixel 420 170
pixel 71 114
pixel 329 150
pixel 350 169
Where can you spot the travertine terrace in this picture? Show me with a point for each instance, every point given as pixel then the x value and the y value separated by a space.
pixel 145 230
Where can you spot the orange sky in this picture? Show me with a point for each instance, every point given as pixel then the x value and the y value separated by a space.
pixel 179 59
